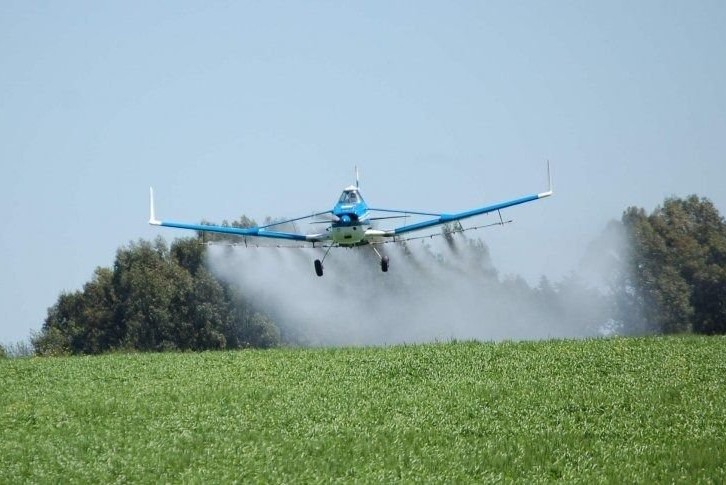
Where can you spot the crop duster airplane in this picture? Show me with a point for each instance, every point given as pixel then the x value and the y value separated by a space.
pixel 350 223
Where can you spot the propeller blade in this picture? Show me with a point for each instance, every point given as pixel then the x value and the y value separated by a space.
pixel 330 218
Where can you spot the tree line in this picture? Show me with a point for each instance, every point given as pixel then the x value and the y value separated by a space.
pixel 155 298
pixel 665 272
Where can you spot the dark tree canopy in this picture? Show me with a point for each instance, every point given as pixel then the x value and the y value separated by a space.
pixel 675 279
pixel 155 298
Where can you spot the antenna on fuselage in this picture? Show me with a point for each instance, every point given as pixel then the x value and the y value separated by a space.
pixel 356 176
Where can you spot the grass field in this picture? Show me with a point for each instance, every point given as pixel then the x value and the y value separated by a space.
pixel 615 410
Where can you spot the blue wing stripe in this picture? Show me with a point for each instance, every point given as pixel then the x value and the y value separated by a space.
pixel 444 218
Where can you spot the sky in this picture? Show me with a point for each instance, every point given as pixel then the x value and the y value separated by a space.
pixel 264 109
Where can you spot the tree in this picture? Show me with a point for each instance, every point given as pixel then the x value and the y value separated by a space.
pixel 674 279
pixel 154 298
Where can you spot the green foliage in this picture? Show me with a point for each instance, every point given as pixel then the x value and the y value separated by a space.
pixel 155 298
pixel 592 411
pixel 675 280
pixel 3 352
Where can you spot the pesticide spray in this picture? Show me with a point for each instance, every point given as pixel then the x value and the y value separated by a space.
pixel 436 290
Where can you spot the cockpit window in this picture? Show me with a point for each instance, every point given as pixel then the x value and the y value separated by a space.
pixel 349 197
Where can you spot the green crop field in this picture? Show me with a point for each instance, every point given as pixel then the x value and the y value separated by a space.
pixel 612 410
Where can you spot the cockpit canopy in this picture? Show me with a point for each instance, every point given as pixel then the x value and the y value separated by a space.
pixel 350 196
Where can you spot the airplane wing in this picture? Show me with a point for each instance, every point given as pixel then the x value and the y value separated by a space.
pixel 440 219
pixel 259 231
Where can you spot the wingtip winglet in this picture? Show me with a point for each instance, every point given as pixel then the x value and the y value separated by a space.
pixel 152 215
pixel 550 191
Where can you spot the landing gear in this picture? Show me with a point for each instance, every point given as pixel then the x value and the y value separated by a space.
pixel 319 263
pixel 384 260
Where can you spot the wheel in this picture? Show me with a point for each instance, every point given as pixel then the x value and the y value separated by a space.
pixel 384 264
pixel 318 267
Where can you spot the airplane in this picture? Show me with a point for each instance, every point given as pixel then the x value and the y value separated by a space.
pixel 350 222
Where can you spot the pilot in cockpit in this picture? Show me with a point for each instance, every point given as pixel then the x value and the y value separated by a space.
pixel 349 197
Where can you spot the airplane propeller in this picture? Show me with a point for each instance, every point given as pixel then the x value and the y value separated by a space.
pixel 330 218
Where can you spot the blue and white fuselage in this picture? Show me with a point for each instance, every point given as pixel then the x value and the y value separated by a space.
pixel 350 219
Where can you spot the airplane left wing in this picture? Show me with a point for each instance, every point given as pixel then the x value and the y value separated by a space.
pixel 260 231
pixel 457 216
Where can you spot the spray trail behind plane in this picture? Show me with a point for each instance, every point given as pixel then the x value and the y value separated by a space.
pixel 432 292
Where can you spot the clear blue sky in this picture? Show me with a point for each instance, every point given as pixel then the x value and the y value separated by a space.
pixel 263 108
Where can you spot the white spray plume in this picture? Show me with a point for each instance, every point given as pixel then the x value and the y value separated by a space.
pixel 434 291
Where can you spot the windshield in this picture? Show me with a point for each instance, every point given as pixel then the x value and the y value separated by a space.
pixel 349 197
